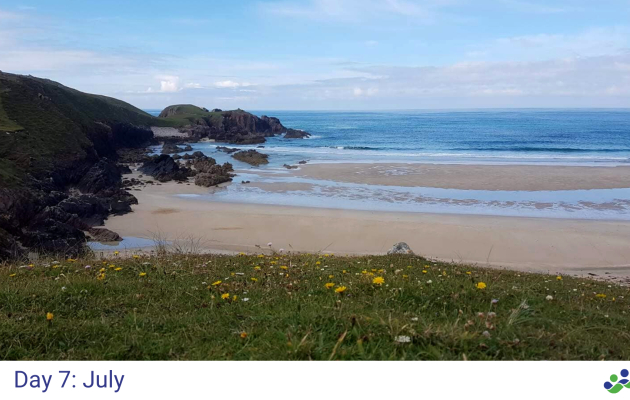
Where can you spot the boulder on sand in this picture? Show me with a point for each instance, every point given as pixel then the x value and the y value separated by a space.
pixel 400 248
pixel 104 235
pixel 251 157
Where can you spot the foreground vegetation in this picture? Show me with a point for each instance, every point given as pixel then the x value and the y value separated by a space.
pixel 303 307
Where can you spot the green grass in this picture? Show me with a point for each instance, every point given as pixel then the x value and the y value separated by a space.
pixel 174 312
pixel 6 124
pixel 187 114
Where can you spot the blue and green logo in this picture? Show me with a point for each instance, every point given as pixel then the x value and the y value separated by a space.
pixel 617 384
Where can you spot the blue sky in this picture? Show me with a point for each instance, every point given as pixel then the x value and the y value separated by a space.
pixel 325 54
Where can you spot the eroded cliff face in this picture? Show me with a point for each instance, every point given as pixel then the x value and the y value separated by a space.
pixel 58 170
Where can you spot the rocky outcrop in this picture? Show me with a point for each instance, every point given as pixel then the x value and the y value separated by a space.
pixel 104 235
pixel 228 150
pixel 296 134
pixel 163 168
pixel 251 157
pixel 171 148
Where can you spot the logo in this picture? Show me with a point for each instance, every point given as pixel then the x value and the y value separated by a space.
pixel 617 385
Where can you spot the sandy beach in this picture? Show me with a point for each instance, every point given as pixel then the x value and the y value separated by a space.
pixel 529 244
pixel 473 177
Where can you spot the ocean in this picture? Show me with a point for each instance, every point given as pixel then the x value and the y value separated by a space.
pixel 569 137
pixel 496 137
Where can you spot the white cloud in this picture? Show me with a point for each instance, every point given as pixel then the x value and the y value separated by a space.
pixel 231 84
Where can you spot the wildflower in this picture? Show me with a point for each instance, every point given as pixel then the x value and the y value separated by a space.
pixel 254 279
pixel 364 272
pixel 243 335
pixel 318 263
pixel 344 271
pixel 269 244
pixel 118 269
pixel 88 267
pixel 136 256
pixel 12 275
pixel 142 274
pixel 331 276
pixel 549 297
pixel 424 271
pixel 63 288
pixel 116 253
pixel 405 276
pixel 284 267
pixel 245 298
pixel 558 278
pixel 468 272
pixel 378 280
pixel 112 266
pixel 495 301
pixel 225 296
pixel 49 316
pixel 257 268
pixel 429 281
pixel 600 296
pixel 101 277
pixel 486 334
pixel 340 289
pixel 261 256
pixel 71 260
pixel 217 283
pixel 492 314
pixel 480 285
pixel 414 319
pixel 234 298
pixel 101 270
pixel 280 250
pixel 403 339
pixel 329 285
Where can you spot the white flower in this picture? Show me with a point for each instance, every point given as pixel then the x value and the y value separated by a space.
pixel 495 301
pixel 269 244
pixel 204 283
pixel 549 297
pixel 414 319
pixel 88 266
pixel 280 251
pixel 486 334
pixel 246 299
pixel 403 339
pixel 63 289
pixel 429 281
pixel 492 314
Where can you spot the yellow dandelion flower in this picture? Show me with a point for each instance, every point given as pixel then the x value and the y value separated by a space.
pixel 340 289
pixel 318 263
pixel 331 276
pixel 118 269
pixel 284 267
pixel 600 296
pixel 217 283
pixel 31 265
pixel 12 275
pixel 257 268
pixel 443 273
pixel 143 274
pixel 225 296
pixel 405 276
pixel 329 285
pixel 379 280
pixel 481 285
pixel 468 272
pixel 112 266
pixel 71 260
pixel 102 270
pixel 101 277
pixel 273 262
pixel 424 271
pixel 234 298
pixel 116 253
pixel 343 272
pixel 558 278
pixel 50 316
pixel 364 272
pixel 261 256
pixel 254 279
pixel 55 266
pixel 243 335
pixel 136 256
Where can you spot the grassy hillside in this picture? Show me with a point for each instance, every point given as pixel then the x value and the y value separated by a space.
pixel 46 126
pixel 301 307
pixel 187 114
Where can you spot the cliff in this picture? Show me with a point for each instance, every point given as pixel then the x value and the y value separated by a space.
pixel 58 175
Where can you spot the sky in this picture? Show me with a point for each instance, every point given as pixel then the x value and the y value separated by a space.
pixel 327 54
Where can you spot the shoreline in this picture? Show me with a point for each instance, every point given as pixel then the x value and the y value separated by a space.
pixel 530 244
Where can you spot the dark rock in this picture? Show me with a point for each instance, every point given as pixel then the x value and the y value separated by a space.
pixel 124 169
pixel 229 150
pixel 287 166
pixel 302 162
pixel 133 156
pixel 216 110
pixel 251 157
pixel 245 182
pixel 212 174
pixel 171 148
pixel 296 134
pixel 164 169
pixel 195 155
pixel 104 235
pixel 102 176
pixel 178 157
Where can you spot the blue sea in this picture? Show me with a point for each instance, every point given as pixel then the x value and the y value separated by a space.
pixel 570 137
pixel 497 137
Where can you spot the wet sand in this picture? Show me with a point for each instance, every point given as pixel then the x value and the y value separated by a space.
pixel 473 177
pixel 530 244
